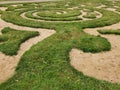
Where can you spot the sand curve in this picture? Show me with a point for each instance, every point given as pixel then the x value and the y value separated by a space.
pixel 24 1
pixel 104 65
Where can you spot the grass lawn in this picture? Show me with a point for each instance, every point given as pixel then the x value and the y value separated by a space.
pixel 46 66
pixel 13 38
pixel 117 32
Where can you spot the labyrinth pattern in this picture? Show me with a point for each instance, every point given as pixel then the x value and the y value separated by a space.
pixel 50 30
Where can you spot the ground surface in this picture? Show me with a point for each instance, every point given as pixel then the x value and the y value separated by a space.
pixel 19 1
pixel 53 63
pixel 106 65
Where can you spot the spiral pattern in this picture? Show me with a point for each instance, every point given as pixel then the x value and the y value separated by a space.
pixel 69 14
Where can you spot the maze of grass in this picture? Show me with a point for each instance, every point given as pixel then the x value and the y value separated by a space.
pixel 46 65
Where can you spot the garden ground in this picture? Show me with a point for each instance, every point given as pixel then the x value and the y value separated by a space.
pixel 74 56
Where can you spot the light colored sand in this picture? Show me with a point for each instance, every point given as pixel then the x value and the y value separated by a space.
pixel 83 5
pixel 8 63
pixel 15 5
pixel 58 13
pixel 25 1
pixel 111 9
pixel 3 8
pixel 73 8
pixel 101 6
pixel 64 12
pixel 104 65
pixel 83 14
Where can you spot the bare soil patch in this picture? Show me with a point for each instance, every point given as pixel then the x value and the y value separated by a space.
pixel 104 65
pixel 3 8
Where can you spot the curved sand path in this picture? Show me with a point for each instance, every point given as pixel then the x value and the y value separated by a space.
pixel 104 65
pixel 24 1
pixel 8 63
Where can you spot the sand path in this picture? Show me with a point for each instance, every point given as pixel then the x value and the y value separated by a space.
pixel 104 65
pixel 8 63
pixel 24 1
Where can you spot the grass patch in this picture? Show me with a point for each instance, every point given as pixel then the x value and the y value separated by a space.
pixel 48 64
pixel 12 39
pixel 116 32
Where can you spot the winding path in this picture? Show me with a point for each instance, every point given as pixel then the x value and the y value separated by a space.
pixel 24 1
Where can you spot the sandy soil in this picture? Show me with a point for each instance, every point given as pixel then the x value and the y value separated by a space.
pixel 104 65
pixel 8 63
pixel 3 8
pixel 24 1
pixel 101 6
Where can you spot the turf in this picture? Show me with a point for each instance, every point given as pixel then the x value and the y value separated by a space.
pixel 11 39
pixel 116 32
pixel 46 65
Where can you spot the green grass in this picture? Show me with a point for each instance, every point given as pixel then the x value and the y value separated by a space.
pixel 46 66
pixel 1 11
pixel 116 32
pixel 49 65
pixel 11 39
pixel 118 9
